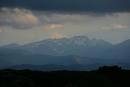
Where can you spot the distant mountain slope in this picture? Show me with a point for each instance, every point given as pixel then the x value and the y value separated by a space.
pixel 119 51
pixel 66 51
pixel 78 45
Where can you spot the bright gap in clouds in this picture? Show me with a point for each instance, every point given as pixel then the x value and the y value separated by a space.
pixel 120 26
pixel 53 26
pixel 56 36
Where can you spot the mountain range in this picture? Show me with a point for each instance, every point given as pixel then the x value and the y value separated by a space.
pixel 75 51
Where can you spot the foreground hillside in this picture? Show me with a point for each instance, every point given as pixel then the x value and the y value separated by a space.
pixel 104 77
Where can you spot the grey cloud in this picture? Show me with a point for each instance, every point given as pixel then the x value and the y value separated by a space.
pixel 18 18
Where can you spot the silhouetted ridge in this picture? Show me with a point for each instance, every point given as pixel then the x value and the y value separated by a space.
pixel 107 76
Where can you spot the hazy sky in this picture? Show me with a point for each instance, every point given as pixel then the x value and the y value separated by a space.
pixel 24 21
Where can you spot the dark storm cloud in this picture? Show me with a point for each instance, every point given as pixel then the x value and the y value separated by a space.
pixel 100 6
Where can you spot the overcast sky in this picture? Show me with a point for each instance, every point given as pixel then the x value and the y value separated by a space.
pixel 25 21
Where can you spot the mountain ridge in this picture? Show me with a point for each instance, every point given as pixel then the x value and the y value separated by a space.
pixel 67 51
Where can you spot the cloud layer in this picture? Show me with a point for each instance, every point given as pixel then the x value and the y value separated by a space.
pixel 99 6
pixel 1 30
pixel 20 25
pixel 18 18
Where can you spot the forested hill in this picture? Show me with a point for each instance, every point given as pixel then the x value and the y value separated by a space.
pixel 103 77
